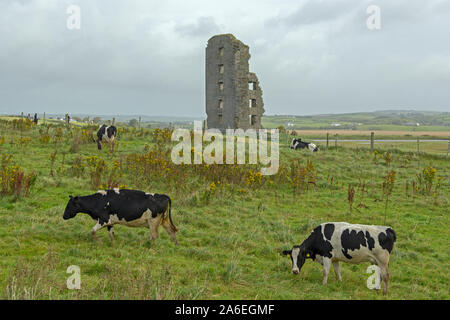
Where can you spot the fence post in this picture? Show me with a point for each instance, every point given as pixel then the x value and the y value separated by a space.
pixel 139 123
pixel 113 121
pixel 448 148
pixel 328 139
pixel 44 117
pixel 372 134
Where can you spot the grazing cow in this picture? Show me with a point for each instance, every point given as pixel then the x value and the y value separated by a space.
pixel 132 208
pixel 332 242
pixel 299 144
pixel 106 133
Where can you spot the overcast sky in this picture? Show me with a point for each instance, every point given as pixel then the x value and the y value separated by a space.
pixel 147 57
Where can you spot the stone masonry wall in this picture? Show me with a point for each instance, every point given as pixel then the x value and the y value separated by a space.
pixel 229 99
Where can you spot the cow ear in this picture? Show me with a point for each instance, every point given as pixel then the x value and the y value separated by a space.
pixel 287 252
pixel 70 197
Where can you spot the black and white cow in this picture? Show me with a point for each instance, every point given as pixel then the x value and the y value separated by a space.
pixel 132 208
pixel 332 242
pixel 299 144
pixel 107 134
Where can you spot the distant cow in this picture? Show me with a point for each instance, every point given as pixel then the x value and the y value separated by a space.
pixel 106 133
pixel 332 242
pixel 299 144
pixel 132 208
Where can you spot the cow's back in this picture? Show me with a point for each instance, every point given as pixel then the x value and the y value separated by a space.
pixel 355 243
pixel 132 204
pixel 127 204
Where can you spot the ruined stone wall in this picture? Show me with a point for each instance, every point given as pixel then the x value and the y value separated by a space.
pixel 229 101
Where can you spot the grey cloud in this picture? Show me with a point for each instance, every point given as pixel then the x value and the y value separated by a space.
pixel 148 57
pixel 202 27
pixel 320 11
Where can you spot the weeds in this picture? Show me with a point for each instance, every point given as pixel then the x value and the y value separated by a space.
pixel 388 186
pixel 350 197
pixel 13 179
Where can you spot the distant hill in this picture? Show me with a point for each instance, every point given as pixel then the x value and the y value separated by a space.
pixel 410 120
pixel 378 120
pixel 125 118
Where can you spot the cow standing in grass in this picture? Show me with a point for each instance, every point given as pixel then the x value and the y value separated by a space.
pixel 131 208
pixel 299 144
pixel 107 134
pixel 332 242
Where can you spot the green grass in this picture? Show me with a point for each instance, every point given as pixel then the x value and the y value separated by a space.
pixel 378 120
pixel 230 245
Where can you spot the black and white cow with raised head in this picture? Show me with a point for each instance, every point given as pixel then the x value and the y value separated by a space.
pixel 299 144
pixel 131 208
pixel 107 134
pixel 332 242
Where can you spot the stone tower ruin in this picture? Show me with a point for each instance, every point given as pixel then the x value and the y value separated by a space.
pixel 233 95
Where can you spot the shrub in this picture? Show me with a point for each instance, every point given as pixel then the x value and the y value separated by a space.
pixel 14 181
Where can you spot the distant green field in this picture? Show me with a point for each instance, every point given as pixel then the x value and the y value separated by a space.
pixel 44 121
pixel 233 223
pixel 383 121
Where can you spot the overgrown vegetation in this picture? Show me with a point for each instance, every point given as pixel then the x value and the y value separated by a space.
pixel 233 221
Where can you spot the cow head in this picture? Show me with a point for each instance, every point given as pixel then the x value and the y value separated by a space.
pixel 73 207
pixel 298 255
pixel 293 142
pixel 312 147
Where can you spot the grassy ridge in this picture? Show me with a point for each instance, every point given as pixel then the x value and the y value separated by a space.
pixel 379 120
pixel 231 234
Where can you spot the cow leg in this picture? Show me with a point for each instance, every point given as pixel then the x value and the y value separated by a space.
pixel 153 224
pixel 326 269
pixel 383 263
pixel 111 232
pixel 113 143
pixel 166 224
pixel 337 270
pixel 99 144
pixel 97 227
pixel 384 273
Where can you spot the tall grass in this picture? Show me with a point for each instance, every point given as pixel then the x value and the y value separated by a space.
pixel 233 221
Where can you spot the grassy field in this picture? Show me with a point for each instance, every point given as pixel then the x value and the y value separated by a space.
pixel 420 121
pixel 380 134
pixel 430 147
pixel 233 222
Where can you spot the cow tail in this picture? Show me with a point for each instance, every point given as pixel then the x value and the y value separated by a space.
pixel 170 215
